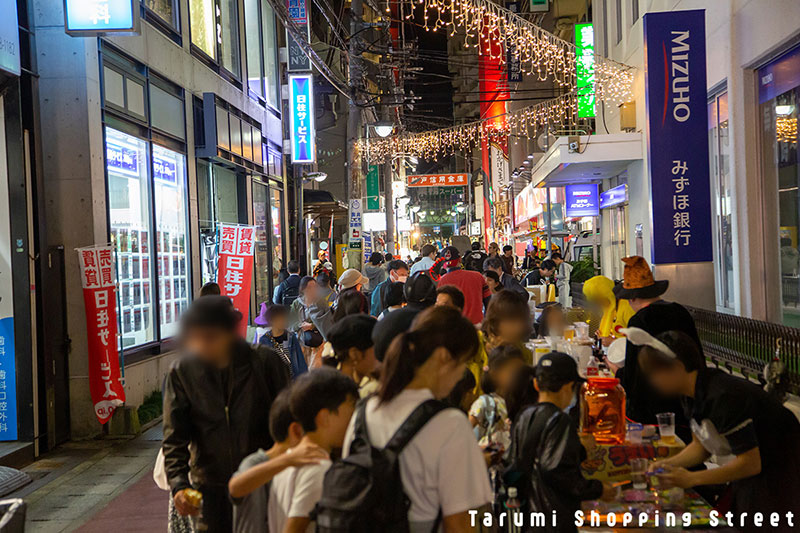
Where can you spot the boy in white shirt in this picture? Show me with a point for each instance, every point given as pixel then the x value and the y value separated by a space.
pixel 323 401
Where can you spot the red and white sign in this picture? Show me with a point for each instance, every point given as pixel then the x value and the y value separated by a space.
pixel 438 180
pixel 98 279
pixel 235 269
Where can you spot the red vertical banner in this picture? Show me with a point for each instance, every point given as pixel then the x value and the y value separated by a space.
pixel 235 268
pixel 98 280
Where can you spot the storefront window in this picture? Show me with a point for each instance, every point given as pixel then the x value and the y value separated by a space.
pixel 167 10
pixel 129 216
pixel 271 79
pixel 719 152
pixel 229 38
pixel 221 198
pixel 169 183
pixel 201 14
pixel 779 98
pixel 276 220
pixel 263 254
pixel 255 67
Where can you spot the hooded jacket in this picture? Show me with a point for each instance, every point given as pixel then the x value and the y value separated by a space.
pixel 616 313
pixel 221 414
pixel 376 274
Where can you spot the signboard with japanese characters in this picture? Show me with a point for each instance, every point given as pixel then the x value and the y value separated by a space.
pixel 355 221
pixel 86 18
pixel 9 39
pixel 235 267
pixel 98 279
pixel 675 80
pixel 301 118
pixel 582 200
pixel 298 60
pixel 8 374
pixel 438 180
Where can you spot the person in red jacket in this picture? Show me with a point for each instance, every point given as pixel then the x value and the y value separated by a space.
pixel 472 284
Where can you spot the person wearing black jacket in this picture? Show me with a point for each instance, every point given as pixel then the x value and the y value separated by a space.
pixel 545 453
pixel 217 398
pixel 655 316
pixel 474 258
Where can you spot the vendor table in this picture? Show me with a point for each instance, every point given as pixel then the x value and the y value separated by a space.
pixel 655 508
pixel 611 462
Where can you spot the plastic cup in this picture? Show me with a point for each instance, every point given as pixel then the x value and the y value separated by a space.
pixel 569 333
pixel 639 473
pixel 666 426
pixel 635 431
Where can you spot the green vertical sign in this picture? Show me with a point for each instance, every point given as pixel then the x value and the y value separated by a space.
pixel 373 189
pixel 584 56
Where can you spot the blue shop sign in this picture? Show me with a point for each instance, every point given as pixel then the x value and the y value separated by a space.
pixel 9 38
pixel 122 159
pixel 8 381
pixel 582 200
pixel 616 196
pixel 677 142
pixel 93 17
pixel 301 118
pixel 165 170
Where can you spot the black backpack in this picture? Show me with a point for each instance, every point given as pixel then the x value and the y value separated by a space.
pixel 364 492
pixel 290 294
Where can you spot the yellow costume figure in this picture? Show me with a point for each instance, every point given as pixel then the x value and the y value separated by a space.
pixel 616 313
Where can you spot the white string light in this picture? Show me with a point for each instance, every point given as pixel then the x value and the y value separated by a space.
pixel 537 51
pixel 522 123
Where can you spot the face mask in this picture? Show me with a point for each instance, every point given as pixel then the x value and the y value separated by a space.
pixel 401 279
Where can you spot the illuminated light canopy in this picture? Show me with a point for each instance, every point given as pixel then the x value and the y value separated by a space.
pixel 538 52
pixel 522 123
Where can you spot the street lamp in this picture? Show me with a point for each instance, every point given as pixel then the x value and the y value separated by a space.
pixel 319 177
pixel 383 129
pixel 415 208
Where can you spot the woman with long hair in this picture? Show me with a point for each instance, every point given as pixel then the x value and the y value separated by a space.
pixel 507 321
pixel 443 471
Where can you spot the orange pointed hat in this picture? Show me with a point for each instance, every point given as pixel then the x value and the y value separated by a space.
pixel 638 281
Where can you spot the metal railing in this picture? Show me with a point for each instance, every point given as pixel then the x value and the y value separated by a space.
pixel 745 345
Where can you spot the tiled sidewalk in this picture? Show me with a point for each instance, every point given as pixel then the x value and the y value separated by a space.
pixel 82 480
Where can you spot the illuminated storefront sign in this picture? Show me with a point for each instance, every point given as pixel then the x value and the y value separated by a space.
pixel 582 200
pixel 437 180
pixel 301 118
pixel 93 17
pixel 616 196
pixel 677 136
pixel 584 56
pixel 9 38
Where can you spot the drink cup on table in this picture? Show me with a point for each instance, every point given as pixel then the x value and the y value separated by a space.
pixel 635 431
pixel 666 427
pixel 639 473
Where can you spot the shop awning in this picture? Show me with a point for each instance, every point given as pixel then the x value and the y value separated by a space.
pixel 599 157
pixel 318 202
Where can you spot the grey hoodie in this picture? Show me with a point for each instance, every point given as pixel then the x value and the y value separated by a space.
pixel 375 274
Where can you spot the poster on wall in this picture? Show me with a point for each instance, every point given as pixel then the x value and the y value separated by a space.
pixel 98 279
pixel 677 143
pixel 235 267
pixel 354 221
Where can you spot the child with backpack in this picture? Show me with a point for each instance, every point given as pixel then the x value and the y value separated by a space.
pixel 546 453
pixel 249 485
pixel 488 414
pixel 404 446
pixel 323 402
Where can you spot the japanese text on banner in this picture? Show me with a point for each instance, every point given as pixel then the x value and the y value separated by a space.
pixel 235 268
pixel 98 279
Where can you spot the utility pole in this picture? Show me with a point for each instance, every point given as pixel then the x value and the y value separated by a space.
pixel 353 187
pixel 388 193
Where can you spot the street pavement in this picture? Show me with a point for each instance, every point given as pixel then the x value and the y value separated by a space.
pixel 99 485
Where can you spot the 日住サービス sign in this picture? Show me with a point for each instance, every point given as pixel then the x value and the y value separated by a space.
pixel 301 118
pixel 677 142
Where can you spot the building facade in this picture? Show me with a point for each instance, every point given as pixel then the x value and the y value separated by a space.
pixel 151 141
pixel 753 76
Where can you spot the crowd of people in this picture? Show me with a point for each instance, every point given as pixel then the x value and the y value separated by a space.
pixel 406 397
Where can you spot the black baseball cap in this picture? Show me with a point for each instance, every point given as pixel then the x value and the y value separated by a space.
pixel 558 366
